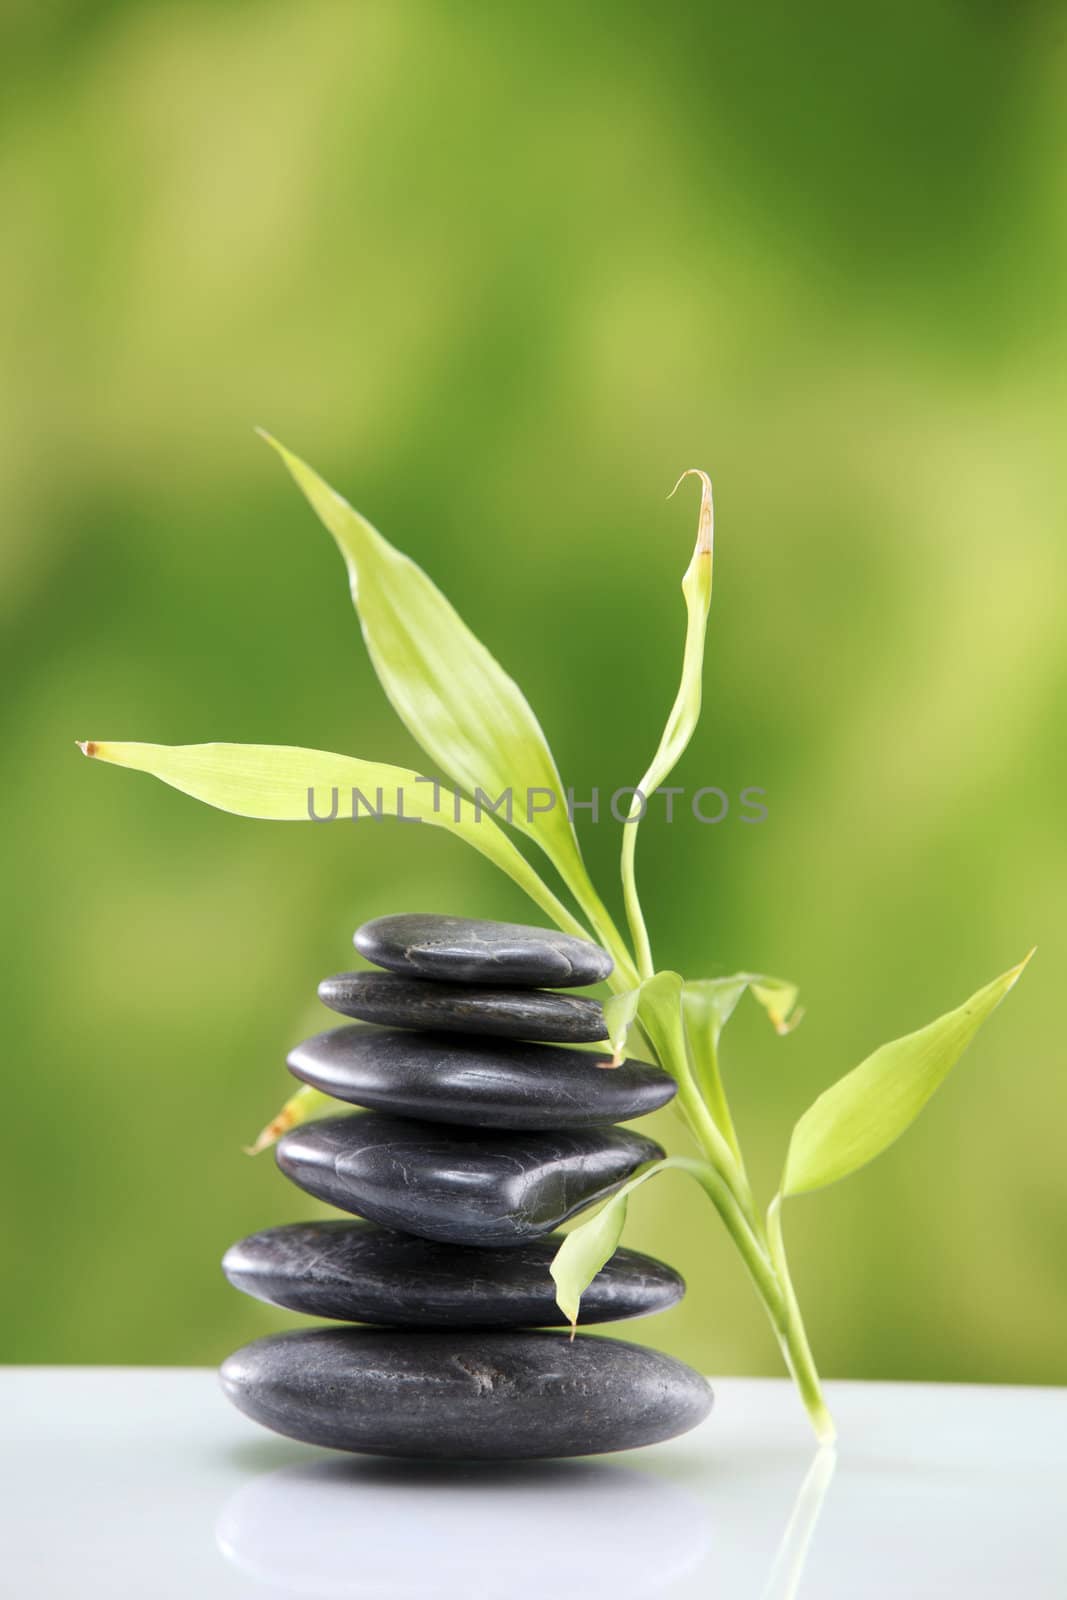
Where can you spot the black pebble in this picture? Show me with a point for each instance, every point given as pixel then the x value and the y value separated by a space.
pixel 359 1272
pixel 456 1008
pixel 464 1395
pixel 466 950
pixel 462 1187
pixel 478 1083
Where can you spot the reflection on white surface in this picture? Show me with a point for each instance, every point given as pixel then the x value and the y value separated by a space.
pixel 119 1485
pixel 383 1531
pixel 389 1531
pixel 788 1569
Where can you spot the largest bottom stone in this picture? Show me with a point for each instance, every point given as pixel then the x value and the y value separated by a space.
pixel 472 1396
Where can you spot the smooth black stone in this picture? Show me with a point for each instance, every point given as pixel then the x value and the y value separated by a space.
pixel 464 1396
pixel 454 1008
pixel 359 1272
pixel 465 950
pixel 461 1186
pixel 500 1083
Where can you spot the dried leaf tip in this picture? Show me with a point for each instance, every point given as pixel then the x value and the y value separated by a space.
pixel 706 522
pixel 280 1124
pixel 88 747
pixel 263 1142
pixel 786 1025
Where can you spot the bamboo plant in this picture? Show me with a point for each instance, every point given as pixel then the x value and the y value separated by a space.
pixel 478 729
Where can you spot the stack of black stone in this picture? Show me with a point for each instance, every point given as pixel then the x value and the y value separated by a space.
pixel 481 1132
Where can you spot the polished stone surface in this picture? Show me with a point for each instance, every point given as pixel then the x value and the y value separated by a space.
pixel 143 1482
pixel 465 950
pixel 465 1396
pixel 398 1002
pixel 462 1187
pixel 359 1272
pixel 479 1083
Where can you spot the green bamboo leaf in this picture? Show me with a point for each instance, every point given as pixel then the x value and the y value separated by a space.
pixel 285 783
pixel 620 1010
pixel 582 1254
pixel 778 998
pixel 659 1011
pixel 454 697
pixel 707 1006
pixel 684 713
pixel 696 590
pixel 711 1002
pixel 654 1009
pixel 591 1244
pixel 865 1111
pixel 657 1008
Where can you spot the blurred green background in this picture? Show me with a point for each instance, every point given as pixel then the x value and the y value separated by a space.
pixel 502 273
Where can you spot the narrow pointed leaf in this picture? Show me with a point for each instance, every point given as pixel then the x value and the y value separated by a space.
pixel 454 697
pixel 583 1252
pixel 696 590
pixel 592 1243
pixel 863 1113
pixel 285 783
pixel 685 712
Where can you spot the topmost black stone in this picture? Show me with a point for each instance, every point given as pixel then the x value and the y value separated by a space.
pixel 465 950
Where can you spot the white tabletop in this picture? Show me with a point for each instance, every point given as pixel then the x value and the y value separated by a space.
pixel 145 1482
